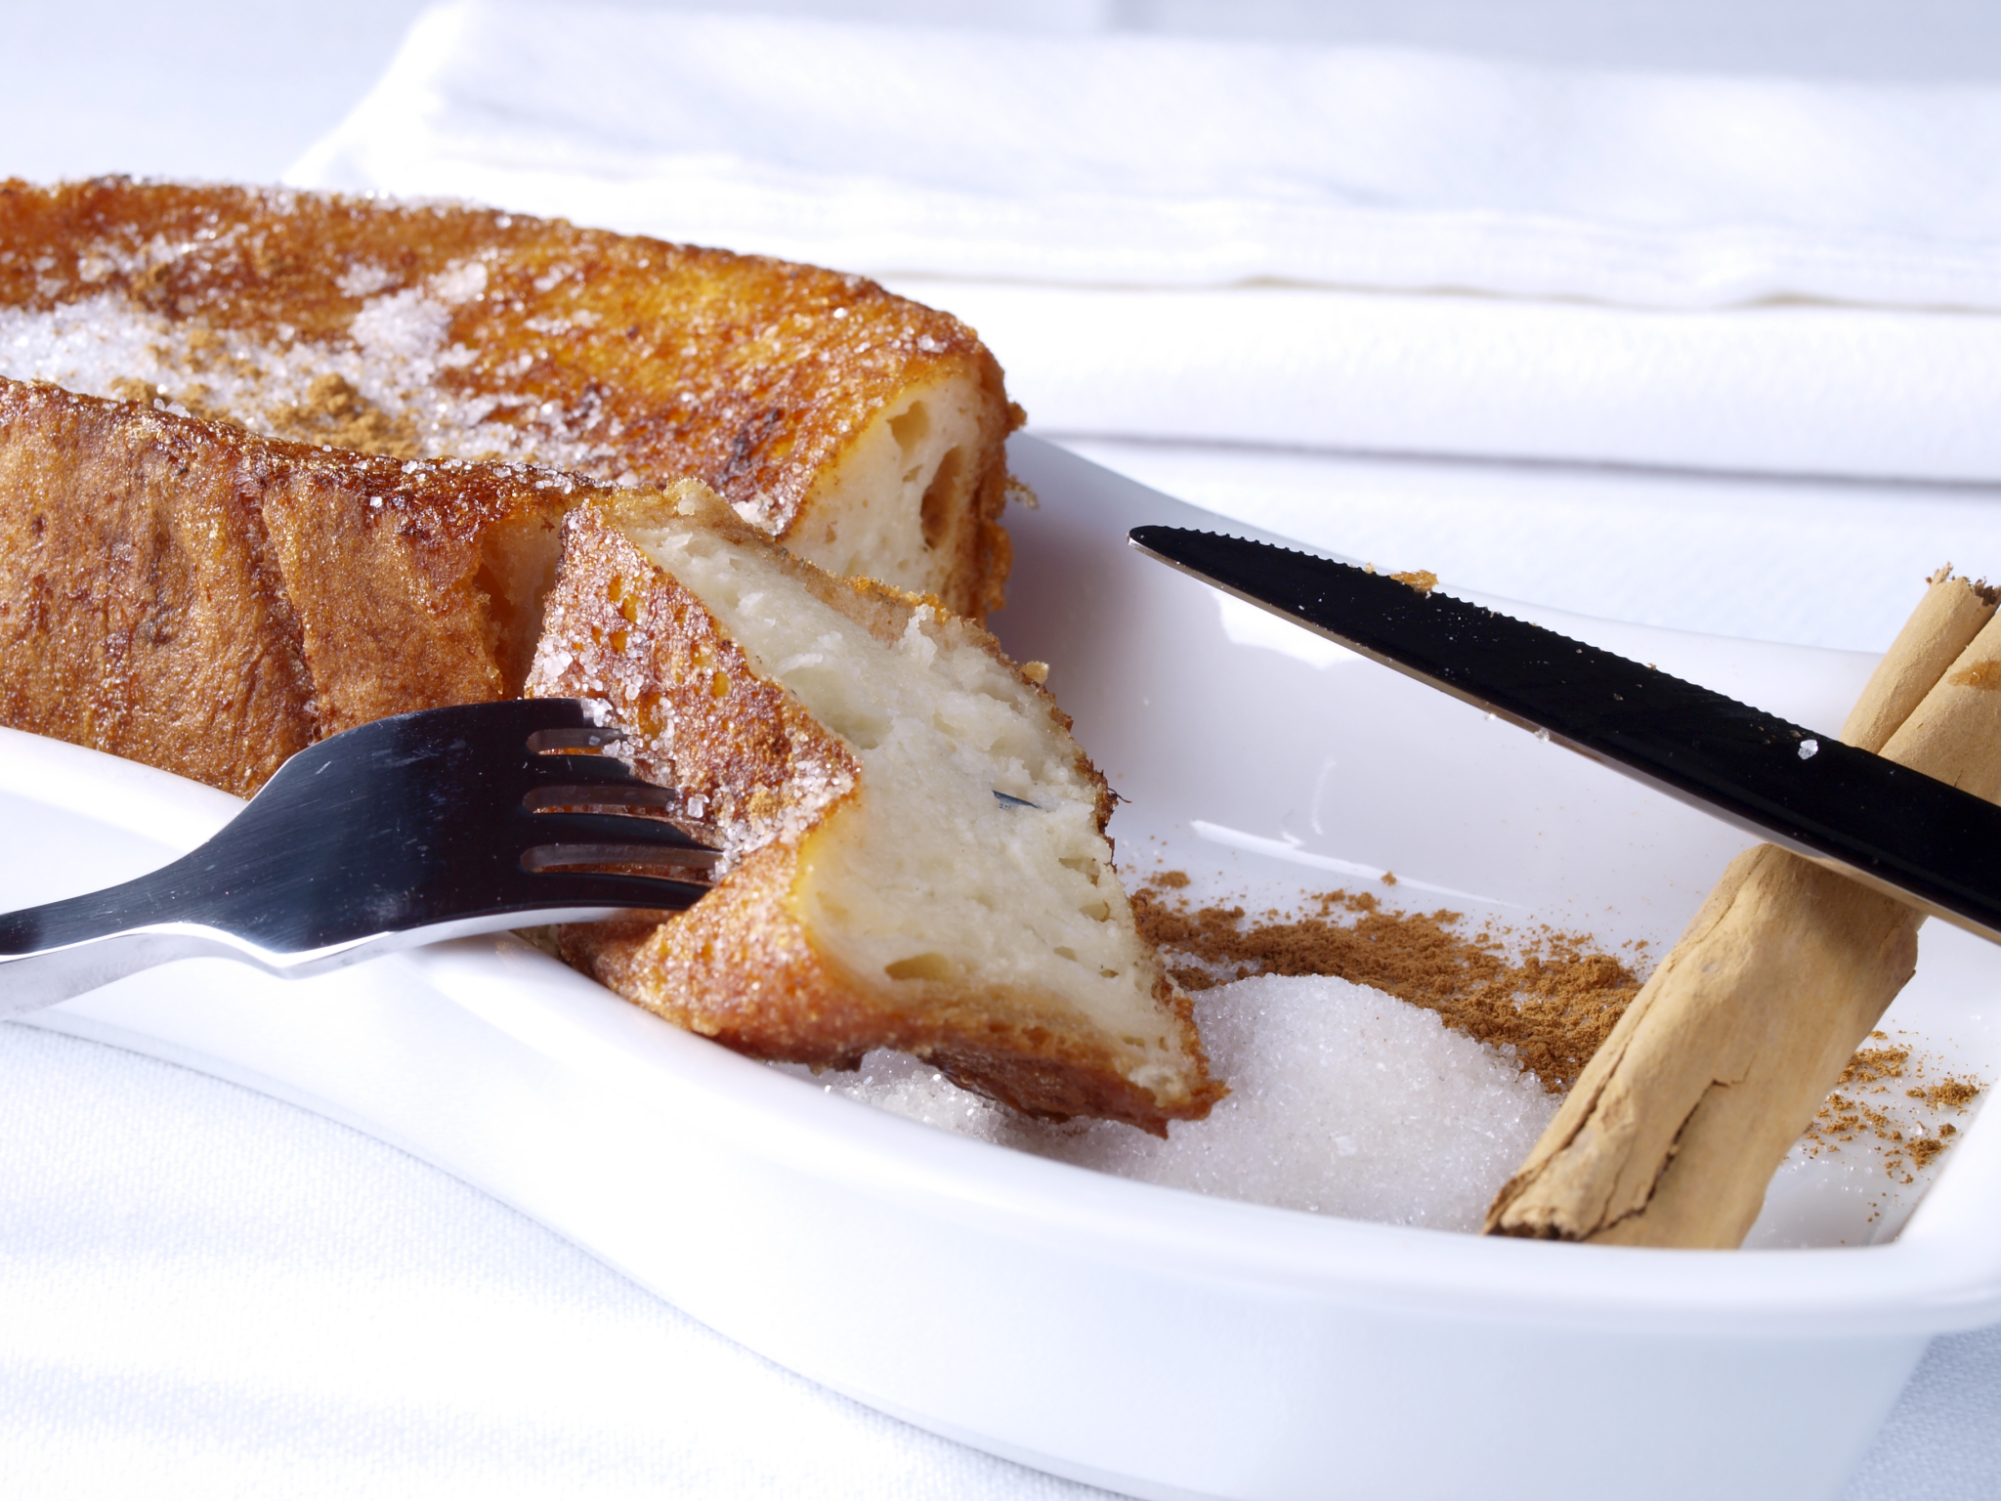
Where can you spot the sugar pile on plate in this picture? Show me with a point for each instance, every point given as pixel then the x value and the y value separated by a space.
pixel 1344 1101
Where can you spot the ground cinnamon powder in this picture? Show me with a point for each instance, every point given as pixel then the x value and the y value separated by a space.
pixel 1849 1117
pixel 1545 997
pixel 335 412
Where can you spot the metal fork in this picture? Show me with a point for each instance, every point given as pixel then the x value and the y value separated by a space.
pixel 425 826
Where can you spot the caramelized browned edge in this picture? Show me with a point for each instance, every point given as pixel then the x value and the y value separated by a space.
pixel 731 369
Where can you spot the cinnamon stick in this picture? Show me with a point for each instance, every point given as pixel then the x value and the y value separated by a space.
pixel 1676 1125
pixel 1948 618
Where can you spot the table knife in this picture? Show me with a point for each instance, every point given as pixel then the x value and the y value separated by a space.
pixel 1893 828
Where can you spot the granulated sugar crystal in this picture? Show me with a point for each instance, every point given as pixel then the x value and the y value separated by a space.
pixel 1344 1101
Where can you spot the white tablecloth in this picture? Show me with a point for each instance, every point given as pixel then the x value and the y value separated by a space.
pixel 204 1292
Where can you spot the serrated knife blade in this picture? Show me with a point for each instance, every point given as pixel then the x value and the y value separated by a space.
pixel 1893 828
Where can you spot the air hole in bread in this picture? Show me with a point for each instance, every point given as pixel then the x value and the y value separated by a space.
pixel 921 967
pixel 894 508
pixel 910 427
pixel 941 496
pixel 517 567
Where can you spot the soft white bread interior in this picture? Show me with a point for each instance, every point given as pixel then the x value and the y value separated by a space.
pixel 902 501
pixel 916 855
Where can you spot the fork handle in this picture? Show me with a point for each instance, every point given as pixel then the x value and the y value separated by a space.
pixel 52 952
pixel 30 981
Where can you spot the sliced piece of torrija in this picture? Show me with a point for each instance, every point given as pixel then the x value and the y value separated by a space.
pixel 915 846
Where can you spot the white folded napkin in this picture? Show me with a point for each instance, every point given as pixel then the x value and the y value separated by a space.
pixel 1335 247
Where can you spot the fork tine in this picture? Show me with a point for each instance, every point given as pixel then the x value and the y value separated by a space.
pixel 630 794
pixel 600 889
pixel 608 828
pixel 563 738
pixel 561 856
pixel 546 715
pixel 543 768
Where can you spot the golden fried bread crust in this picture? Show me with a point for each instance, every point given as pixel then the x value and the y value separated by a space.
pixel 184 594
pixel 141 608
pixel 446 331
pixel 744 965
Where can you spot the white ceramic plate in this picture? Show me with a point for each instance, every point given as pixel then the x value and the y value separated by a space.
pixel 1152 1341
